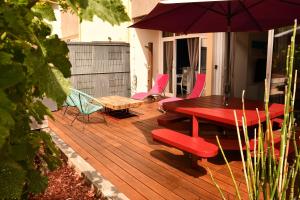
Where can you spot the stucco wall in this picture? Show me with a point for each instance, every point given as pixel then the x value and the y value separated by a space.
pixel 142 7
pixel 139 62
pixel 98 30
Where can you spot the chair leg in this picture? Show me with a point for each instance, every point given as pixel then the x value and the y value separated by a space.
pixel 88 118
pixel 104 119
pixel 66 109
pixel 75 118
pixel 181 89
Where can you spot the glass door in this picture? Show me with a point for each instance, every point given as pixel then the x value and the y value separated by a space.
pixel 282 38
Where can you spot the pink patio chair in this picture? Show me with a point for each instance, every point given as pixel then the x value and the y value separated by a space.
pixel 196 92
pixel 157 90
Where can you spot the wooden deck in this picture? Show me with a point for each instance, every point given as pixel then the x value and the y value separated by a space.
pixel 124 153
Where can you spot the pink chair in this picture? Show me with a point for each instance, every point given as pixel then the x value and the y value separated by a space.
pixel 196 92
pixel 157 90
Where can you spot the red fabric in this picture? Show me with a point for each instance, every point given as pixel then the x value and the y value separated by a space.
pixel 212 108
pixel 199 86
pixel 212 16
pixel 160 84
pixel 158 88
pixel 196 92
pixel 195 145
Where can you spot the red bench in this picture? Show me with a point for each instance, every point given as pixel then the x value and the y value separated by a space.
pixel 194 145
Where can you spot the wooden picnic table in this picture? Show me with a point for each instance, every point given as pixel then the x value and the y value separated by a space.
pixel 212 108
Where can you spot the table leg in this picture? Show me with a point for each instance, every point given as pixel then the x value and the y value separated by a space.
pixel 195 126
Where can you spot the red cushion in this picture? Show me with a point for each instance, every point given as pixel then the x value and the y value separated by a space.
pixel 194 145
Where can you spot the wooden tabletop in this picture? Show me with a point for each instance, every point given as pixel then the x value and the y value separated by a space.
pixel 212 108
pixel 118 102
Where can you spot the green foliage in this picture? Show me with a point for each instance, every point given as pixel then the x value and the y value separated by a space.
pixel 34 65
pixel 107 10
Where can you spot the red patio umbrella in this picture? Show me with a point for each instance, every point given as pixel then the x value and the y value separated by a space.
pixel 203 16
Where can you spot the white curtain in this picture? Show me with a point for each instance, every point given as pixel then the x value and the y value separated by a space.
pixel 193 50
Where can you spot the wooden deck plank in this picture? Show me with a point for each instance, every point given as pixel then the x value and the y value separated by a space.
pixel 115 168
pixel 172 181
pixel 122 185
pixel 125 154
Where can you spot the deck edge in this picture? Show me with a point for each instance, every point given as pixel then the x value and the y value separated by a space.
pixel 103 186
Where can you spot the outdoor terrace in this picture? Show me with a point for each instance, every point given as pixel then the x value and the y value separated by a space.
pixel 124 153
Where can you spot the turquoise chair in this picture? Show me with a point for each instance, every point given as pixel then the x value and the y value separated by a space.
pixel 68 103
pixel 84 104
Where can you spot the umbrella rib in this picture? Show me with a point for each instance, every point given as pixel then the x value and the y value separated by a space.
pixel 198 18
pixel 251 6
pixel 213 10
pixel 251 16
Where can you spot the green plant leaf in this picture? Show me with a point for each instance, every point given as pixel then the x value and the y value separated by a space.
pixel 4 133
pixel 37 183
pixel 57 52
pixel 38 111
pixel 45 10
pixel 10 75
pixel 57 86
pixel 20 151
pixel 12 179
pixel 110 11
pixel 5 58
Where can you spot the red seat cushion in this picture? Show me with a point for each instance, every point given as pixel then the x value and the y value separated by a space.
pixel 194 145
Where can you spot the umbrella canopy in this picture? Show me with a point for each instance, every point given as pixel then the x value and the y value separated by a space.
pixel 202 16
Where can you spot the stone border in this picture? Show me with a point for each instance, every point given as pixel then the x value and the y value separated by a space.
pixel 104 188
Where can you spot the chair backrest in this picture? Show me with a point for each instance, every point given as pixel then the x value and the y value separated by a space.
pixel 83 101
pixel 160 84
pixel 198 87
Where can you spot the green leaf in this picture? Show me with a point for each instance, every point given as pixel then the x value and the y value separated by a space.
pixel 4 133
pixel 50 146
pixel 38 111
pixel 19 152
pixel 57 54
pixel 5 58
pixel 12 179
pixel 108 10
pixel 19 2
pixel 37 183
pixel 10 75
pixel 45 10
pixel 56 85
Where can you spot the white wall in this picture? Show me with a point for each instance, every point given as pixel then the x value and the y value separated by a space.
pixel 56 25
pixel 140 38
pixel 98 30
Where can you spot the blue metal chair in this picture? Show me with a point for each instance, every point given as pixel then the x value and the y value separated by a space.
pixel 84 103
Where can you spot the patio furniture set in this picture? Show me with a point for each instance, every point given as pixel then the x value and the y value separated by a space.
pixel 210 109
pixel 86 104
